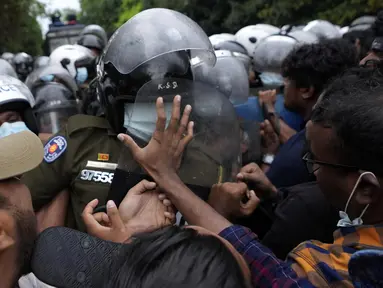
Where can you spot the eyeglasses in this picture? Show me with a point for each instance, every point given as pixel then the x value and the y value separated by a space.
pixel 310 164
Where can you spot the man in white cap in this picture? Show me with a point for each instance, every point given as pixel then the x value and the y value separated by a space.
pixel 19 153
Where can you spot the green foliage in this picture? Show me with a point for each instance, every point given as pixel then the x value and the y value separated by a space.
pixel 19 28
pixel 129 8
pixel 105 13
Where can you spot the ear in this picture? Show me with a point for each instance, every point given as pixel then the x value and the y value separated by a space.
pixel 7 238
pixel 307 93
pixel 368 190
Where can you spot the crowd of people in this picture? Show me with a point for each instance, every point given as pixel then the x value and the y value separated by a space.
pixel 167 158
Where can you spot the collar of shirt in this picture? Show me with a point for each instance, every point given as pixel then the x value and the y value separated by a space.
pixel 327 264
pixel 361 236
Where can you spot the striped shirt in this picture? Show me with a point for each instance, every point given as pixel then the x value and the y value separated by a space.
pixel 311 264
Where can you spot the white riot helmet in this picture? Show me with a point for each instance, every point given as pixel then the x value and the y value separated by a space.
pixel 249 36
pixel 323 29
pixel 8 56
pixel 218 38
pixel 76 59
pixel 15 96
pixel 7 69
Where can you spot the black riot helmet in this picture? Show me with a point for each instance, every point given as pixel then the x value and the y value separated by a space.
pixel 93 37
pixel 53 107
pixel 155 44
pixel 23 64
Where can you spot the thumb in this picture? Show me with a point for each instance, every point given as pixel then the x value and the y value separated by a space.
pixel 244 176
pixel 249 207
pixel 129 142
pixel 114 215
pixel 142 187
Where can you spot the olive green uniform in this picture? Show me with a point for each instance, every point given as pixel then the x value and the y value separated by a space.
pixel 86 167
pixel 80 169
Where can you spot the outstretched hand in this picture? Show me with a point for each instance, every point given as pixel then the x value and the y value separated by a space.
pixel 163 154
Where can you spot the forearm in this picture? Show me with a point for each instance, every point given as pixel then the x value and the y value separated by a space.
pixel 196 211
pixel 286 132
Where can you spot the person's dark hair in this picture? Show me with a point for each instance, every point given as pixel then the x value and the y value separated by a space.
pixel 352 107
pixel 176 257
pixel 365 37
pixel 313 65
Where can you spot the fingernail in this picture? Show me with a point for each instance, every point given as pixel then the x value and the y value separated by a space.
pixel 178 98
pixel 191 123
pixel 188 108
pixel 110 204
pixel 120 137
pixel 239 176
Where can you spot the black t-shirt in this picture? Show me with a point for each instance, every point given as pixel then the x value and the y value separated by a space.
pixel 303 215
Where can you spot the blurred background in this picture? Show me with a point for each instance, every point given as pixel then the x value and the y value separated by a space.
pixel 39 26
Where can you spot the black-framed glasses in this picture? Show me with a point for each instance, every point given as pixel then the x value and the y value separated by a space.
pixel 313 165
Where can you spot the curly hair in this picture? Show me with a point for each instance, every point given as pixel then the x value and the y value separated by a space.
pixel 314 65
pixel 352 107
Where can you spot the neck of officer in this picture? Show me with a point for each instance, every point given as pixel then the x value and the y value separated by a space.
pixel 8 274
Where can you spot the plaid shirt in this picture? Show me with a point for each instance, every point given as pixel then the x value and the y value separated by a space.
pixel 266 269
pixel 312 263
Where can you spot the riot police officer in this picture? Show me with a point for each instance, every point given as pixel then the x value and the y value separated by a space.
pixel 23 64
pixel 78 60
pixel 56 97
pixel 16 103
pixel 152 46
pixel 94 38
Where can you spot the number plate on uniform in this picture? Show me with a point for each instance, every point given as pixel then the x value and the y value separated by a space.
pixel 97 176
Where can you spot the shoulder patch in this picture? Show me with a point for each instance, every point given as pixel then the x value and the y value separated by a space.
pixel 54 148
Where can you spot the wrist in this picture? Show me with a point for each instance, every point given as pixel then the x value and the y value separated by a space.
pixel 270 107
pixel 268 158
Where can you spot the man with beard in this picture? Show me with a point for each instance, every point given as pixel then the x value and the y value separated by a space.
pixel 19 153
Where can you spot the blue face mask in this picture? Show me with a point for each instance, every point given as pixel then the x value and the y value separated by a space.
pixel 12 128
pixel 47 78
pixel 271 79
pixel 82 75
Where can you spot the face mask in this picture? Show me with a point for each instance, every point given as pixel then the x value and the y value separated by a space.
pixel 47 78
pixel 82 75
pixel 12 128
pixel 345 220
pixel 271 79
pixel 140 119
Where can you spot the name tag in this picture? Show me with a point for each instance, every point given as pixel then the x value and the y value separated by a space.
pixel 97 176
pixel 101 165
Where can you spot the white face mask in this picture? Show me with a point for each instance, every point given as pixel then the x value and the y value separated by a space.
pixel 140 119
pixel 12 128
pixel 345 220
